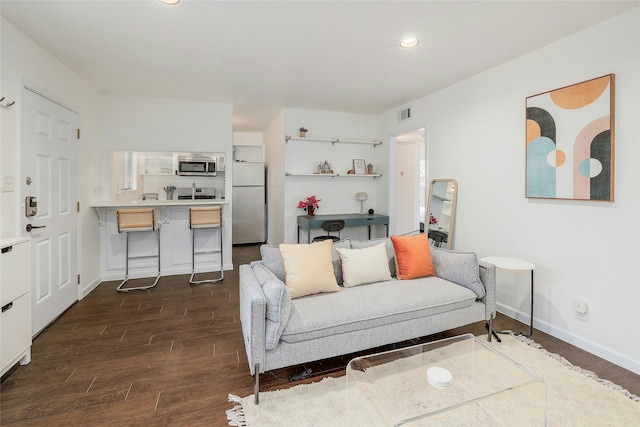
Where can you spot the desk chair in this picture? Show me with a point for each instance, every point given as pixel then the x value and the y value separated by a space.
pixel 437 237
pixel 331 226
pixel 138 221
pixel 205 217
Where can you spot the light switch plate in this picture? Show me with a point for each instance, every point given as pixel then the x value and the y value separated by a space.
pixel 7 183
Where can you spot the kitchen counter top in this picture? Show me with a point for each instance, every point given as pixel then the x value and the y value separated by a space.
pixel 159 203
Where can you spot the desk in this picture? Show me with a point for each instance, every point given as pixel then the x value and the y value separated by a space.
pixel 308 223
pixel 514 264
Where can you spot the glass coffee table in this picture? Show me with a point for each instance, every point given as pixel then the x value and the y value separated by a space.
pixel 455 381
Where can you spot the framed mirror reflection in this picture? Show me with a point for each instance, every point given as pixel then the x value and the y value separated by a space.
pixel 441 212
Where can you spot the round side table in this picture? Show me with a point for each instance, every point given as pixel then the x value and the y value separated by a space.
pixel 514 264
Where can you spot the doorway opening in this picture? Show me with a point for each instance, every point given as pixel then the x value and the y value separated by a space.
pixel 411 196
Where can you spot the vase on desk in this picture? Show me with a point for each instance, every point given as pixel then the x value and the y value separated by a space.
pixel 311 211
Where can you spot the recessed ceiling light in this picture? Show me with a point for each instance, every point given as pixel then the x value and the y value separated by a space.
pixel 170 1
pixel 409 43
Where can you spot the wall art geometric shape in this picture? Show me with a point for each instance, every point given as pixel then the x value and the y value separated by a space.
pixel 570 142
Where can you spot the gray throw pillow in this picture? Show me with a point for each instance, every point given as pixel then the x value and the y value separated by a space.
pixel 458 267
pixel 273 260
pixel 388 245
pixel 278 308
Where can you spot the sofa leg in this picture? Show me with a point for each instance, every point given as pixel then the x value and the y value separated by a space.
pixel 490 327
pixel 256 385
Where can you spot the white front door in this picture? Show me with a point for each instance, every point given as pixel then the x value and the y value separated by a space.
pixel 49 166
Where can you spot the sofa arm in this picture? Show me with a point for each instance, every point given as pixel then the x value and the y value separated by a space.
pixel 252 317
pixel 488 278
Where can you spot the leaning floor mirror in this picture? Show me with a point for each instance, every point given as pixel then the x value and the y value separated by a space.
pixel 441 212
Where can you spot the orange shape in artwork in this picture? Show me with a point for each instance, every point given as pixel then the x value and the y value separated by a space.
pixel 560 158
pixel 533 130
pixel 581 94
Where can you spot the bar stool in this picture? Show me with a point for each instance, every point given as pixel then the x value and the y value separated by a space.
pixel 205 217
pixel 137 221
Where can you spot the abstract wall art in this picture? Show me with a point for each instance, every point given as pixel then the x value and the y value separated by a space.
pixel 570 142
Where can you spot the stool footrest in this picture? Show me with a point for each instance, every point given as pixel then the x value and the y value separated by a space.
pixel 197 282
pixel 136 288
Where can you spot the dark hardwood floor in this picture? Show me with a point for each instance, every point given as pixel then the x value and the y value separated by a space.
pixel 170 356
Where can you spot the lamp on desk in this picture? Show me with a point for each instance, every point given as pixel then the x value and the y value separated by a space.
pixel 362 197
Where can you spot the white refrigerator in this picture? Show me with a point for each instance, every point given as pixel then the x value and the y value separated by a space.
pixel 248 202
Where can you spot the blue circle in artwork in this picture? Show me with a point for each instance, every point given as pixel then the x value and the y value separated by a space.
pixel 590 168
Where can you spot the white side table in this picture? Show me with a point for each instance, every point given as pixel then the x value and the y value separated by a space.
pixel 514 264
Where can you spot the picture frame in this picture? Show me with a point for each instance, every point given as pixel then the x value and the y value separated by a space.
pixel 570 142
pixel 359 166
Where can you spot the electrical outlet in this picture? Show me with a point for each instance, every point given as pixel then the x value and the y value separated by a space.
pixel 581 310
pixel 7 183
pixel 579 306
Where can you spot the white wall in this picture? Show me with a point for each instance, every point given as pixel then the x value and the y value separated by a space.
pixel 23 61
pixel 274 159
pixel 156 124
pixel 586 250
pixel 338 193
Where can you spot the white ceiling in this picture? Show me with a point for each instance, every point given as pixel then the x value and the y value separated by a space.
pixel 264 56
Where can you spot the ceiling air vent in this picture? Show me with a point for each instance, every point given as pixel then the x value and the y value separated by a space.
pixel 405 114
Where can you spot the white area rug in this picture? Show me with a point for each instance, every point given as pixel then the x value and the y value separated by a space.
pixel 575 397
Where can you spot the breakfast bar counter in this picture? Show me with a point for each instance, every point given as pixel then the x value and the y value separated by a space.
pixel 173 217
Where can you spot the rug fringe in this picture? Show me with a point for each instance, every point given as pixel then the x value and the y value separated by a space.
pixel 589 374
pixel 235 415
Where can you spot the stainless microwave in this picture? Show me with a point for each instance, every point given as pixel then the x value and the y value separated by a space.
pixel 196 166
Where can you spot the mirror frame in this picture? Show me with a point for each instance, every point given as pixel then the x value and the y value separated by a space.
pixel 454 202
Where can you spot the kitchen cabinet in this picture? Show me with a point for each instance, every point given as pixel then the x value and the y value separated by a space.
pixel 175 237
pixel 15 299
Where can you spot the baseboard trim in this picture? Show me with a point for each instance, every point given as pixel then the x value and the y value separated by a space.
pixel 568 337
pixel 89 287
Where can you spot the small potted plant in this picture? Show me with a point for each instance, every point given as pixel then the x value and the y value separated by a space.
pixel 310 204
pixel 303 132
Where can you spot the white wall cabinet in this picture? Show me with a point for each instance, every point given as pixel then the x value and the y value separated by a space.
pixel 15 299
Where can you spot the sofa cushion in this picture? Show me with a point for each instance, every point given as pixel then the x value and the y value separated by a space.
pixel 366 265
pixel 278 302
pixel 458 267
pixel 278 308
pixel 413 256
pixel 391 254
pixel 273 259
pixel 308 268
pixel 372 305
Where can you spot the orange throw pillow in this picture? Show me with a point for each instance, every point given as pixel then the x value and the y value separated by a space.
pixel 413 256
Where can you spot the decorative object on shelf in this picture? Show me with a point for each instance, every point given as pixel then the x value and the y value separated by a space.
pixel 362 197
pixel 370 169
pixel 350 172
pixel 359 166
pixel 573 123
pixel 432 219
pixel 371 211
pixel 310 204
pixel 303 132
pixel 326 167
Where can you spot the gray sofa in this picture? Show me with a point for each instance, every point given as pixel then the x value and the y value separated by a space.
pixel 279 331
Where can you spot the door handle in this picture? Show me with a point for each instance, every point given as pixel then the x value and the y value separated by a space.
pixel 7 307
pixel 31 227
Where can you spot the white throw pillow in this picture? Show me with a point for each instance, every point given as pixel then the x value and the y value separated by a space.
pixel 367 265
pixel 308 268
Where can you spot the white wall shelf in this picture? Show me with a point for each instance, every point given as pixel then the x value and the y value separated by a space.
pixel 331 175
pixel 333 140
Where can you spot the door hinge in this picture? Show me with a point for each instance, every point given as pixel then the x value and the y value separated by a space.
pixel 78 133
pixel 78 279
pixel 77 206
